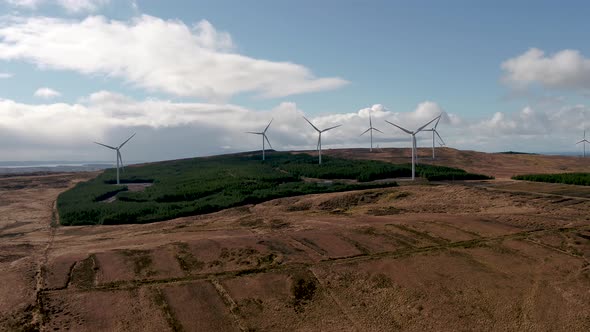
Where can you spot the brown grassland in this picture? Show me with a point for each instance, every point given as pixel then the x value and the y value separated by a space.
pixel 475 255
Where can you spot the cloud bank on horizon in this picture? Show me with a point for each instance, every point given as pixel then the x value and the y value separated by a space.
pixel 198 61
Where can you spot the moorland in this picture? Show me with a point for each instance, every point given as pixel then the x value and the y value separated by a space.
pixel 482 255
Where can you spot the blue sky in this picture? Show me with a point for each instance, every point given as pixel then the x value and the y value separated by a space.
pixel 393 53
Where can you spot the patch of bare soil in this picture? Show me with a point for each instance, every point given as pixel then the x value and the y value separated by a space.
pixel 447 257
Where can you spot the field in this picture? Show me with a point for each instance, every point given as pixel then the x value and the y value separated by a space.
pixel 203 185
pixel 440 256
pixel 581 179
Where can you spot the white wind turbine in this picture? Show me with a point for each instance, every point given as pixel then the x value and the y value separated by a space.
pixel 370 130
pixel 319 146
pixel 413 138
pixel 119 158
pixel 434 131
pixel 264 137
pixel 584 141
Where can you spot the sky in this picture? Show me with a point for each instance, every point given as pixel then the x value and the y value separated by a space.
pixel 191 77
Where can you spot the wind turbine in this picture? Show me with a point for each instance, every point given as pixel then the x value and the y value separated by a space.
pixel 319 146
pixel 264 137
pixel 119 158
pixel 370 130
pixel 584 141
pixel 434 131
pixel 413 138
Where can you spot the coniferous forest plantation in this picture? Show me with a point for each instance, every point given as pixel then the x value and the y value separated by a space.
pixel 203 185
pixel 581 179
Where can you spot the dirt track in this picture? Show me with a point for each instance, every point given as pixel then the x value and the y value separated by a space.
pixel 446 257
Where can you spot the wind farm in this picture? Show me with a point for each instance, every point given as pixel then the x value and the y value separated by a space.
pixel 363 223
pixel 268 183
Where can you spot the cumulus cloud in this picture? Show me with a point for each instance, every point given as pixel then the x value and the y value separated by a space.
pixel 567 69
pixel 71 6
pixel 155 54
pixel 46 93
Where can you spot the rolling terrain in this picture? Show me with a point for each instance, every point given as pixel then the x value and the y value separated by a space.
pixel 442 256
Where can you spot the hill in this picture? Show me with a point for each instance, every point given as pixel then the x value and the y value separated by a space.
pixel 166 190
pixel 500 166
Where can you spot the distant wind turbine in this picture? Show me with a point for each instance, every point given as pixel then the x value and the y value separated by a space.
pixel 413 138
pixel 370 130
pixel 264 137
pixel 319 146
pixel 584 141
pixel 434 131
pixel 119 158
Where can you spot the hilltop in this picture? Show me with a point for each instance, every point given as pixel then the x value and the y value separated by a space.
pixel 170 189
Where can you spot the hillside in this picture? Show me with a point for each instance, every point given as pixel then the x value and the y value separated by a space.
pixel 166 190
pixel 498 165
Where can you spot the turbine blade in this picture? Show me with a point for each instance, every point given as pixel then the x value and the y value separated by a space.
pixel 436 124
pixel 106 146
pixel 120 159
pixel 424 126
pixel 378 130
pixel 364 132
pixel 120 146
pixel 265 129
pixel 255 133
pixel 404 129
pixel 267 141
pixel 331 128
pixel 314 127
pixel 580 142
pixel 442 140
pixel 370 122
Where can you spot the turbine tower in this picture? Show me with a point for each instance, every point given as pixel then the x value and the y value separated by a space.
pixel 370 130
pixel 319 146
pixel 119 158
pixel 264 137
pixel 413 138
pixel 584 141
pixel 434 131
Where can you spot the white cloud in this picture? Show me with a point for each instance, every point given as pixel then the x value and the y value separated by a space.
pixel 47 93
pixel 31 4
pixel 566 69
pixel 77 6
pixel 6 75
pixel 71 6
pixel 169 130
pixel 155 54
